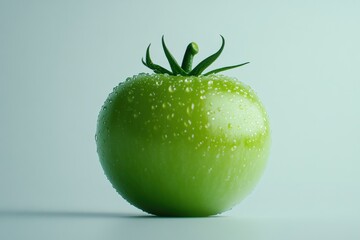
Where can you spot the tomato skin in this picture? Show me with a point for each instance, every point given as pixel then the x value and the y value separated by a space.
pixel 183 146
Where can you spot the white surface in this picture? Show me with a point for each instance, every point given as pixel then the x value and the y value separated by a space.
pixel 78 225
pixel 60 59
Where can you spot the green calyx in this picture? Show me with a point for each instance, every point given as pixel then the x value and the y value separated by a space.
pixel 186 67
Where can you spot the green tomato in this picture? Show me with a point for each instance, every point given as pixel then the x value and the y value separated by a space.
pixel 183 145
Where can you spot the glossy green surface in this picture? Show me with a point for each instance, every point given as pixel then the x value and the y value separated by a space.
pixel 183 146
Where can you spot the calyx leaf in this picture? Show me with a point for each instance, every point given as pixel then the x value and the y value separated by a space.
pixel 186 67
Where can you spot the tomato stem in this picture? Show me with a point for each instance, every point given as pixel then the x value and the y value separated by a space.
pixel 186 67
pixel 191 50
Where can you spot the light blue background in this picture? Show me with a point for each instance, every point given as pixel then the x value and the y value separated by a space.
pixel 60 59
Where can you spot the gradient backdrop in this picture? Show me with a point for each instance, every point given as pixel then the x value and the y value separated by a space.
pixel 60 59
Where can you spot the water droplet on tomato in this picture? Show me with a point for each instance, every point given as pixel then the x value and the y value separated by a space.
pixel 130 98
pixel 171 89
pixel 188 80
